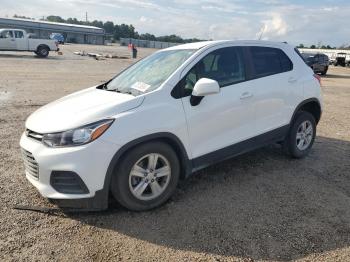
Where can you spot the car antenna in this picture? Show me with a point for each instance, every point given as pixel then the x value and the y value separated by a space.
pixel 262 32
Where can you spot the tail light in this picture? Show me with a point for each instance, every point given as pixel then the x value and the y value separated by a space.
pixel 318 78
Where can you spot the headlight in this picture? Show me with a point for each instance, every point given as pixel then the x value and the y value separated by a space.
pixel 78 136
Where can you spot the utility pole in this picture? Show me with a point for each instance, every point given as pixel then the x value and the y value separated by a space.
pixel 86 17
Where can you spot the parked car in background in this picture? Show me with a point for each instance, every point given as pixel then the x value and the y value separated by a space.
pixel 340 60
pixel 175 112
pixel 19 40
pixel 319 63
pixel 58 37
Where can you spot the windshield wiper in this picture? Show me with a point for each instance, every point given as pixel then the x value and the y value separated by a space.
pixel 120 91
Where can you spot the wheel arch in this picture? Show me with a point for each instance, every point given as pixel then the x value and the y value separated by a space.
pixel 43 45
pixel 168 138
pixel 311 105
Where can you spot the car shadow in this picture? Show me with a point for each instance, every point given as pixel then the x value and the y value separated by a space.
pixel 261 205
pixel 27 56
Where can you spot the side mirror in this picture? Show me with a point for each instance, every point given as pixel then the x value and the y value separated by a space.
pixel 204 87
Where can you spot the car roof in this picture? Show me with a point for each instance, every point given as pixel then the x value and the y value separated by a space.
pixel 199 45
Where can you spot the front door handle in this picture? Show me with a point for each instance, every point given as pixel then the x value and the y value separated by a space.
pixel 246 95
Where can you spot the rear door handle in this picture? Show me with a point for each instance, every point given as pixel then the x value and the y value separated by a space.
pixel 246 95
pixel 292 80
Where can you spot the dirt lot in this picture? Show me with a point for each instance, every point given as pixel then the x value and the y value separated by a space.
pixel 260 206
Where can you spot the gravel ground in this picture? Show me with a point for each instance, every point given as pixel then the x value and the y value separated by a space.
pixel 259 206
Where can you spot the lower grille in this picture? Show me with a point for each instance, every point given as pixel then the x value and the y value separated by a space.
pixel 30 164
pixel 68 182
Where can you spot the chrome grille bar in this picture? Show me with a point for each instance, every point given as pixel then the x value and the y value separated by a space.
pixel 34 135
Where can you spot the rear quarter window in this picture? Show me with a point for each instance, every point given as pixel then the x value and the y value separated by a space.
pixel 268 61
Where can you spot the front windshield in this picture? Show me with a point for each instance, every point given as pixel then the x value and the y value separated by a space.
pixel 149 73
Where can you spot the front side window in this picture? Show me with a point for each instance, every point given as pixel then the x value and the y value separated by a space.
pixel 19 34
pixel 224 65
pixel 149 73
pixel 6 34
pixel 269 61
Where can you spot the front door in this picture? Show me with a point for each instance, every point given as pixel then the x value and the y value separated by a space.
pixel 222 119
pixel 7 40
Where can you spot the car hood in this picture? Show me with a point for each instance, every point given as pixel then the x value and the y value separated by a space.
pixel 80 108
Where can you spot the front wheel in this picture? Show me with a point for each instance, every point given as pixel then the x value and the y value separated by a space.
pixel 301 135
pixel 42 51
pixel 146 177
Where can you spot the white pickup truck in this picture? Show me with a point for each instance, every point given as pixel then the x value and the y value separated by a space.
pixel 19 40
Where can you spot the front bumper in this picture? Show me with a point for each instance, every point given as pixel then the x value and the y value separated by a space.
pixel 90 162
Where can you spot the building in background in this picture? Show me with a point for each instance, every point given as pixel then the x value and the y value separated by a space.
pixel 42 29
pixel 146 43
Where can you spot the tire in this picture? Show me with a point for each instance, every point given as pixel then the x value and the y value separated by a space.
pixel 124 185
pixel 43 51
pixel 324 72
pixel 291 145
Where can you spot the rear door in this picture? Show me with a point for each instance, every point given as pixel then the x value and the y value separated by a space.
pixel 7 40
pixel 273 79
pixel 222 119
pixel 21 41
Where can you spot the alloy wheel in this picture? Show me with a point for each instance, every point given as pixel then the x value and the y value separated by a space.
pixel 149 177
pixel 304 135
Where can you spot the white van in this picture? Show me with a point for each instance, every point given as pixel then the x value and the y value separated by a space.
pixel 179 110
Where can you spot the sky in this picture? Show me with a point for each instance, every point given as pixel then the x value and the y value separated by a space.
pixel 308 21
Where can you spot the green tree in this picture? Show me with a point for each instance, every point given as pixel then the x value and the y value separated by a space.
pixel 97 24
pixel 23 17
pixel 122 30
pixel 108 27
pixel 55 18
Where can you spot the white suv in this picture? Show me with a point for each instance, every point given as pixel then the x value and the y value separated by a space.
pixel 174 112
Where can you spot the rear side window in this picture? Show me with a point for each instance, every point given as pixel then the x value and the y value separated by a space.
pixel 269 61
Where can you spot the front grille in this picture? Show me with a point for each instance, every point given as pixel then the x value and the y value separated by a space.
pixel 34 135
pixel 30 164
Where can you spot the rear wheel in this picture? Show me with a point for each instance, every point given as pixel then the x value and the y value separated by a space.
pixel 301 135
pixel 43 51
pixel 146 177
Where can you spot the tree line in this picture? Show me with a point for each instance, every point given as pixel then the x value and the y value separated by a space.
pixel 320 46
pixel 117 31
